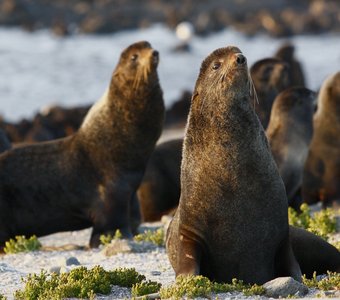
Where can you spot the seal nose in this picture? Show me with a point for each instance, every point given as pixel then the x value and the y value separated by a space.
pixel 155 53
pixel 240 59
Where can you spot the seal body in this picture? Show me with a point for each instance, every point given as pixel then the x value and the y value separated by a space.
pixel 313 253
pixel 289 134
pixel 270 77
pixel 232 220
pixel 159 191
pixel 90 177
pixel 295 71
pixel 322 169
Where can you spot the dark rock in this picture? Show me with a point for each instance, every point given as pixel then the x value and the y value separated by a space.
pixel 72 261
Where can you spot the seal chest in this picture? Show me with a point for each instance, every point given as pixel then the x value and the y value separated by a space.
pixel 89 178
pixel 231 221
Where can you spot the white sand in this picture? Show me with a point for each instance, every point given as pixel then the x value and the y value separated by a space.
pixel 154 265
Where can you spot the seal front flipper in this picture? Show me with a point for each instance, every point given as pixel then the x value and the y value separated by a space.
pixel 285 261
pixel 188 256
pixel 112 212
pixel 184 249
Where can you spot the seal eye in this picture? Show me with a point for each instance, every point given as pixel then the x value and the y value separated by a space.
pixel 134 57
pixel 216 65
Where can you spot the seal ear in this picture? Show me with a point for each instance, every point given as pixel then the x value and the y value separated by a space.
pixel 194 96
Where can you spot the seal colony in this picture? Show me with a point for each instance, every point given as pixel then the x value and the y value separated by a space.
pixel 89 178
pixel 225 149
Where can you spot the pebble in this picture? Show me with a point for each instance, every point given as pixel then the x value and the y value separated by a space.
pixel 284 287
pixel 155 273
pixel 72 261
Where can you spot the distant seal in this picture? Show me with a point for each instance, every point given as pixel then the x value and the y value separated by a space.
pixel 4 142
pixel 159 191
pixel 286 54
pixel 89 178
pixel 232 219
pixel 270 77
pixel 322 170
pixel 56 122
pixel 289 133
pixel 176 115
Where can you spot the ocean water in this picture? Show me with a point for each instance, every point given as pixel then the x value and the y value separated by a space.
pixel 39 69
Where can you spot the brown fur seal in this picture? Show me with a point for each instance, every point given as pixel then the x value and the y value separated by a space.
pixel 176 116
pixel 270 77
pixel 159 191
pixel 232 219
pixel 321 177
pixel 286 54
pixel 89 178
pixel 289 133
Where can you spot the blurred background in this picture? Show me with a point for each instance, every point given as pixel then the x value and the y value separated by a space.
pixel 63 52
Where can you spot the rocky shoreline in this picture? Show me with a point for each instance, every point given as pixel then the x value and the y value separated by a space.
pixel 277 18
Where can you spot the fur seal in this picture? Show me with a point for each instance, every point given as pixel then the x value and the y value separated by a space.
pixel 322 169
pixel 289 133
pixel 232 219
pixel 286 54
pixel 4 142
pixel 159 191
pixel 270 77
pixel 89 178
pixel 176 116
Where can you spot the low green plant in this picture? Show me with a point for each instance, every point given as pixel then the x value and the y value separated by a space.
pixel 332 281
pixel 155 237
pixel 2 297
pixel 321 223
pixel 239 286
pixel 301 219
pixel 190 286
pixel 126 277
pixel 106 239
pixel 200 286
pixel 145 288
pixel 22 244
pixel 78 283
